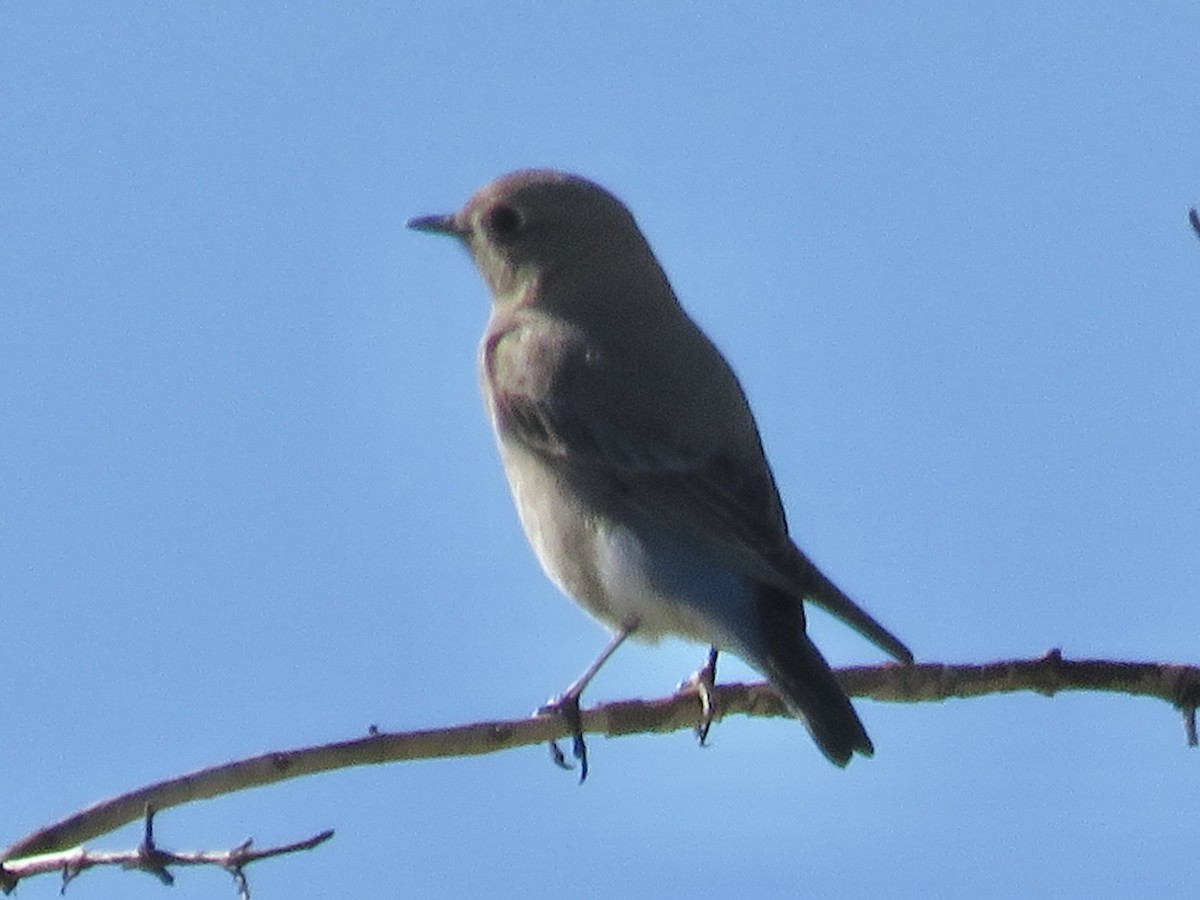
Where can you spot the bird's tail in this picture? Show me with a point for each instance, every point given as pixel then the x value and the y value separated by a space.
pixel 827 595
pixel 804 680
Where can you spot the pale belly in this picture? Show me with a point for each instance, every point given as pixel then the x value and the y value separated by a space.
pixel 632 572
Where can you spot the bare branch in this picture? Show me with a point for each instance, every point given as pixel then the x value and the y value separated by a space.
pixel 150 858
pixel 1178 685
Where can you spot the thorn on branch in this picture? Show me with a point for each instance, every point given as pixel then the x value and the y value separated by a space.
pixel 1051 671
pixel 148 828
pixel 149 858
pixel 70 871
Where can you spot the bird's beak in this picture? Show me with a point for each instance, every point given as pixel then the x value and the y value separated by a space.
pixel 442 224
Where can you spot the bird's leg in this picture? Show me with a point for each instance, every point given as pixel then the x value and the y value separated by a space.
pixel 704 682
pixel 566 704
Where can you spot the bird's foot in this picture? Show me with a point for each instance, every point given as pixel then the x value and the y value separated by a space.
pixel 704 682
pixel 567 706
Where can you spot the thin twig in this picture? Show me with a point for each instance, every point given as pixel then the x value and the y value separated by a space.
pixel 150 858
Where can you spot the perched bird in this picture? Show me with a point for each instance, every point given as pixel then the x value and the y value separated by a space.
pixel 633 457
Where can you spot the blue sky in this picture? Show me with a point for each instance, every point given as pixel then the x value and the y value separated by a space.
pixel 249 499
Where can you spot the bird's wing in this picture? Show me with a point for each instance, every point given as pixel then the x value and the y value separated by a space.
pixel 726 502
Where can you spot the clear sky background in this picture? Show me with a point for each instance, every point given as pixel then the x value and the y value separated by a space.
pixel 249 500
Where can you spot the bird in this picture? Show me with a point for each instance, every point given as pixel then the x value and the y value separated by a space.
pixel 633 457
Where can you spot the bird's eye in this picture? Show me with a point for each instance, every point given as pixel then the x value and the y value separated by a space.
pixel 504 222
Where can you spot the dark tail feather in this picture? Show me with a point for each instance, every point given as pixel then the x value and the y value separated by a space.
pixel 803 678
pixel 827 595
